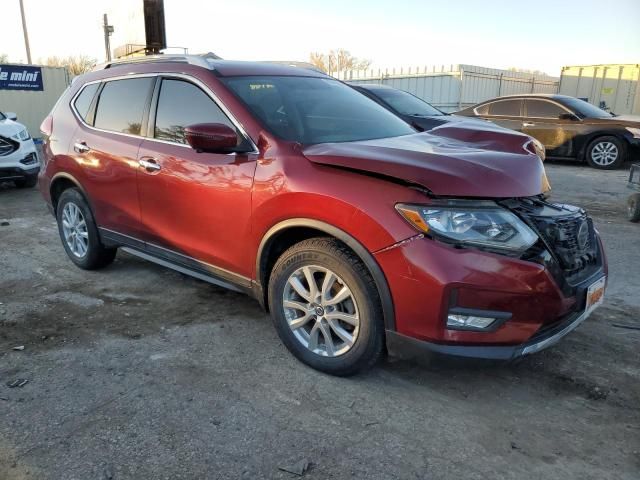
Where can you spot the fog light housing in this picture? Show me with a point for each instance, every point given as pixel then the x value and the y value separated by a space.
pixel 476 320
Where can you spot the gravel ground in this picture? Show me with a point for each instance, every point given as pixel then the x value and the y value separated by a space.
pixel 137 372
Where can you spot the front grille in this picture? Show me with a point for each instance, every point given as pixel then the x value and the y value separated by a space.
pixel 570 238
pixel 30 159
pixel 7 146
pixel 566 231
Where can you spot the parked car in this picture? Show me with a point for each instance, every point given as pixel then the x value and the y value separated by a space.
pixel 420 114
pixel 355 231
pixel 18 156
pixel 423 116
pixel 568 127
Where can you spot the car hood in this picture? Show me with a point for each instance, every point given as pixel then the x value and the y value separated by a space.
pixel 624 120
pixel 427 123
pixel 450 160
pixel 9 128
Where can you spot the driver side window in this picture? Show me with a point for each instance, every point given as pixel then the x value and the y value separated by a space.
pixel 181 104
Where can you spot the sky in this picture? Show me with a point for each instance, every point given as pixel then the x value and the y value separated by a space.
pixel 535 35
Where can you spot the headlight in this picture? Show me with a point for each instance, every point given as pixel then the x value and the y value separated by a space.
pixel 22 135
pixel 634 131
pixel 482 224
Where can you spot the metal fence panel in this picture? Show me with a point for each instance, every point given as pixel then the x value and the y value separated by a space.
pixel 454 87
pixel 32 106
pixel 614 87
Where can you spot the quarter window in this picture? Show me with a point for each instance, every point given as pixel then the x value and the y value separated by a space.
pixel 482 109
pixel 83 101
pixel 181 104
pixel 543 109
pixel 506 108
pixel 121 105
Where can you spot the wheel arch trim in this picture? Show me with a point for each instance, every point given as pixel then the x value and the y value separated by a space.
pixel 367 258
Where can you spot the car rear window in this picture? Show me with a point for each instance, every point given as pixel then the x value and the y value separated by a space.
pixel 83 101
pixel 507 108
pixel 121 105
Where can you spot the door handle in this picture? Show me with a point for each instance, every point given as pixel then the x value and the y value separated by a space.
pixel 528 124
pixel 81 147
pixel 149 164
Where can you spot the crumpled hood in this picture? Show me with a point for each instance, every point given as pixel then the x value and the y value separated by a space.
pixel 9 128
pixel 459 159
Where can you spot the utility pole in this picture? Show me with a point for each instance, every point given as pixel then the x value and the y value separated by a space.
pixel 26 35
pixel 108 30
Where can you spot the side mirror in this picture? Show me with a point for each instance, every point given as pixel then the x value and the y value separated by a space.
pixel 211 137
pixel 568 116
pixel 11 116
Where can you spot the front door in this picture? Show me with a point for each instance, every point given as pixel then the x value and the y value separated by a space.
pixel 543 122
pixel 195 206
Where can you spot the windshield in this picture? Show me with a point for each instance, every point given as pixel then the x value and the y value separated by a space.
pixel 315 110
pixel 2 116
pixel 585 109
pixel 405 103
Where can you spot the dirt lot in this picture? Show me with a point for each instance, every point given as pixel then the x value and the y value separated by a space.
pixel 138 372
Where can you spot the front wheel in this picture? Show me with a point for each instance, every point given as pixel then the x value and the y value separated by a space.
pixel 326 308
pixel 606 153
pixel 79 233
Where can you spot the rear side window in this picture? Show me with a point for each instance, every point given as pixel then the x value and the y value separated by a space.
pixel 83 101
pixel 181 104
pixel 482 109
pixel 507 108
pixel 121 105
pixel 543 109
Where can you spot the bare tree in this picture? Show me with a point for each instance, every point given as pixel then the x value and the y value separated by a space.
pixel 525 70
pixel 4 58
pixel 337 61
pixel 77 65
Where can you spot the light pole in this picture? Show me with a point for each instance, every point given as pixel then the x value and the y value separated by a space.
pixel 26 35
pixel 108 30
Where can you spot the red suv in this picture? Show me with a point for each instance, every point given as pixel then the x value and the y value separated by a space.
pixel 355 231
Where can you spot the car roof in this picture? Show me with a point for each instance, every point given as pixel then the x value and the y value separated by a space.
pixel 550 96
pixel 223 68
pixel 372 86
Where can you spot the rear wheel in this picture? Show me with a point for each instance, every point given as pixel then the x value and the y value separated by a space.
pixel 326 308
pixel 79 233
pixel 633 207
pixel 606 153
pixel 27 182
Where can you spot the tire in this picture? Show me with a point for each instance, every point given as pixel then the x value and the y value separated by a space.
pixel 94 255
pixel 321 257
pixel 27 182
pixel 633 207
pixel 606 153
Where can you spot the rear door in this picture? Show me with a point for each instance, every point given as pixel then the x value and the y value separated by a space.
pixel 195 206
pixel 506 113
pixel 542 121
pixel 106 146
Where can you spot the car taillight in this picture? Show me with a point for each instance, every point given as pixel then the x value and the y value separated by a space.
pixel 46 128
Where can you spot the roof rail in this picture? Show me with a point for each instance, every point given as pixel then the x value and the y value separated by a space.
pixel 198 60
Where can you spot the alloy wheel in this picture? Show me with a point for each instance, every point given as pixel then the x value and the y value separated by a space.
pixel 74 228
pixel 321 311
pixel 604 154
